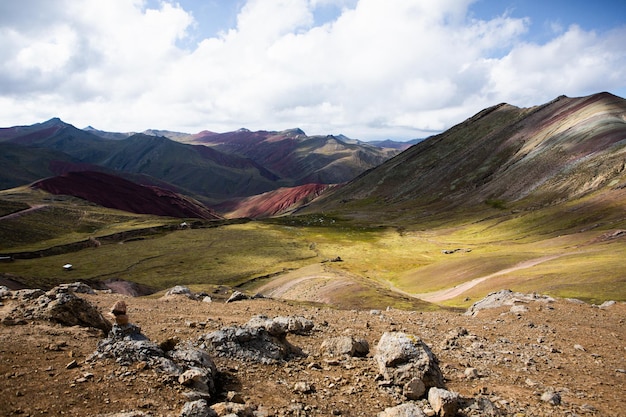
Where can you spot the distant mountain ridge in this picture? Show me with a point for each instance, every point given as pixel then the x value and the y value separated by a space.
pixel 115 192
pixel 209 167
pixel 532 157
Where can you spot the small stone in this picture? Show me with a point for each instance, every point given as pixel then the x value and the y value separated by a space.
pixel 302 387
pixel 235 397
pixel 73 364
pixel 471 373
pixel 118 308
pixel 190 376
pixel 579 347
pixel 414 389
pixel 551 397
pixel 237 296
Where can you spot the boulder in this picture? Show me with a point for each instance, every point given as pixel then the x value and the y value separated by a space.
pixel 280 326
pixel 404 359
pixel 261 340
pixel 444 402
pixel 345 345
pixel 237 296
pixel 198 408
pixel 180 290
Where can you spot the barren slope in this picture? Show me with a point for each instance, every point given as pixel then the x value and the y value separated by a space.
pixel 516 357
pixel 504 155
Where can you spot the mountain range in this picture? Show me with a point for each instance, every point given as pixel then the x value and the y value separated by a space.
pixel 503 156
pixel 212 168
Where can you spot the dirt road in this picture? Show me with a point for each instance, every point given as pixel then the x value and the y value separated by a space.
pixel 449 293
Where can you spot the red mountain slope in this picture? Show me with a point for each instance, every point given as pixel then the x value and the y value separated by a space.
pixel 274 202
pixel 115 192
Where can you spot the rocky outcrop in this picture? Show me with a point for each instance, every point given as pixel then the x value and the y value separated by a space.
pixel 192 367
pixel 345 345
pixel 261 340
pixel 59 305
pixel 181 290
pixel 505 298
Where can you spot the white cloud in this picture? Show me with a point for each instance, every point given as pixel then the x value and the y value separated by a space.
pixel 378 70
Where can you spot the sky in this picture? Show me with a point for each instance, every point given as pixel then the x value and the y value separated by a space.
pixel 367 69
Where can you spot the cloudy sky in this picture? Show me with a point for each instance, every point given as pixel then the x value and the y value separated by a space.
pixel 369 69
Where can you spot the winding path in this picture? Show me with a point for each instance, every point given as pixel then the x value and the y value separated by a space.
pixel 19 213
pixel 449 293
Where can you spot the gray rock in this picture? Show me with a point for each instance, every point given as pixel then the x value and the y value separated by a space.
pixel 402 410
pixel 77 287
pixel 27 294
pixel 505 298
pixel 401 358
pixel 237 296
pixel 5 292
pixel 261 340
pixel 345 345
pixel 233 409
pixel 444 402
pixel 59 305
pixel 302 387
pixel 198 408
pixel 414 389
pixel 551 397
pixel 255 345
pixel 280 326
pixel 607 304
pixel 180 290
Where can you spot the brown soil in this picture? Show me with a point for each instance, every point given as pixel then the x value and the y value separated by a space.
pixel 576 349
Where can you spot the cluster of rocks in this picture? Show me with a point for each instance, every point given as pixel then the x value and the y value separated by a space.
pixel 404 366
pixel 261 340
pixel 506 298
pixel 181 290
pixel 59 305
pixel 407 367
pixel 193 368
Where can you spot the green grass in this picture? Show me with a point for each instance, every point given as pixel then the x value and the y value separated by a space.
pixel 396 252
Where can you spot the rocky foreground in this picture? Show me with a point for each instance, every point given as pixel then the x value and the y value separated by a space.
pixel 62 352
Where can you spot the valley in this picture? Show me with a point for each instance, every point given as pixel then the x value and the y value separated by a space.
pixel 529 202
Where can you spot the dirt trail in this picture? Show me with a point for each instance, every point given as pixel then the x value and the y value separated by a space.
pixel 449 293
pixel 311 283
pixel 19 213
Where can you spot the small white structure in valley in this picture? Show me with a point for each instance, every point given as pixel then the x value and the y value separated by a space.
pixel 68 267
